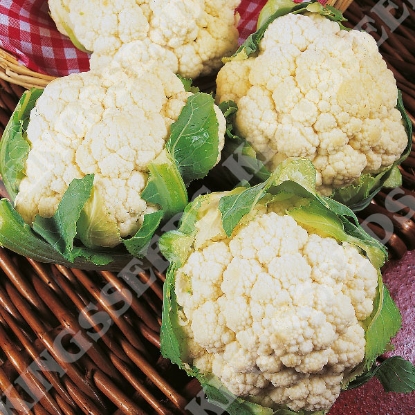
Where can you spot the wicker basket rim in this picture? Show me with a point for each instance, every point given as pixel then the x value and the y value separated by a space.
pixel 14 72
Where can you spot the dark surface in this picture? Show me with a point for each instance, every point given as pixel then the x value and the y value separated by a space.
pixel 370 399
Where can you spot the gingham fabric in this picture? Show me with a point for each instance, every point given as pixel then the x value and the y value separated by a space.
pixel 249 11
pixel 28 33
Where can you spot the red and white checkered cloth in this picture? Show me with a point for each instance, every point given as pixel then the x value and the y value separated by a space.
pixel 28 32
pixel 249 11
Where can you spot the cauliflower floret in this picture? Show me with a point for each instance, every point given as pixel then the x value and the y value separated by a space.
pixel 111 123
pixel 309 394
pixel 318 92
pixel 100 26
pixel 238 382
pixel 275 311
pixel 191 37
pixel 137 52
pixel 206 268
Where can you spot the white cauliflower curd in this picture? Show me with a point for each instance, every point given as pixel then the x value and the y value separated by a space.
pixel 273 298
pixel 316 91
pixel 275 312
pixel 193 35
pixel 110 123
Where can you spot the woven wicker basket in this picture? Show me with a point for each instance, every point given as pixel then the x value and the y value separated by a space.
pixel 91 339
pixel 13 72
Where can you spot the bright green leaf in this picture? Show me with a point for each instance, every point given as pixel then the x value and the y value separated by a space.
pixel 298 174
pixel 188 84
pixel 137 244
pixel 394 179
pixel 19 237
pixel 235 206
pixel 165 186
pixel 316 218
pixel 274 9
pixel 396 375
pixel 95 227
pixel 228 108
pixel 194 138
pixel 14 147
pixel 60 229
pixel 382 325
pixel 173 339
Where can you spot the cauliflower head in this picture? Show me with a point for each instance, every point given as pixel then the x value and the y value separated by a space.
pixel 193 35
pixel 275 311
pixel 274 297
pixel 111 123
pixel 318 92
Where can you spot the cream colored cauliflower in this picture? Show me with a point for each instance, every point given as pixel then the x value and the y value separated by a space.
pixel 318 92
pixel 110 123
pixel 197 33
pixel 275 311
